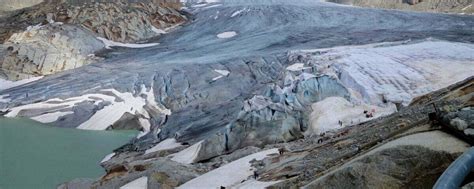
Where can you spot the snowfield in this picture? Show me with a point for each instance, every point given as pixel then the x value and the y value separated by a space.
pixel 120 103
pixel 222 73
pixel 397 72
pixel 6 84
pixel 297 67
pixel 109 44
pixel 51 117
pixel 225 35
pixel 327 113
pixel 164 145
pixel 229 174
pixel 188 155
pixel 107 157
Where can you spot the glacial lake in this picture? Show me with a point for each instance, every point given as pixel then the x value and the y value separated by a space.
pixel 35 155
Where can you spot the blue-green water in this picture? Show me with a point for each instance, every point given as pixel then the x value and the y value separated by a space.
pixel 34 155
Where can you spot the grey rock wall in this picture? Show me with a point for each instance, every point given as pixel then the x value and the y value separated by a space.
pixel 44 50
pixel 10 5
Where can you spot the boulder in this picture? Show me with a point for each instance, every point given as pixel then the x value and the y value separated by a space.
pixel 461 119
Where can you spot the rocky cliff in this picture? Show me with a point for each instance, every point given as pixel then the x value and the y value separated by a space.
pixel 11 5
pixel 54 36
pixel 121 22
pixel 44 50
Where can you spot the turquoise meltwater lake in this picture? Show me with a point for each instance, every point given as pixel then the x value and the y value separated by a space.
pixel 35 155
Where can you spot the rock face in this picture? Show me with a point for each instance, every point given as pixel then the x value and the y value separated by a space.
pixel 44 50
pixel 10 5
pixel 67 38
pixel 121 22
pixel 447 6
pixel 461 120
pixel 124 21
pixel 402 167
pixel 161 173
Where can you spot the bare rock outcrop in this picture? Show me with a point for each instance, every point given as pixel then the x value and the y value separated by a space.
pixel 61 34
pixel 122 22
pixel 10 5
pixel 44 50
pixel 402 167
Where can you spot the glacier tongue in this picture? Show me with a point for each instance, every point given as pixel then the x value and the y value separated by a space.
pixel 396 72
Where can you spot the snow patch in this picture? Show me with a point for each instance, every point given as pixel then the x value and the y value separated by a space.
pixel 229 174
pixel 108 157
pixel 223 73
pixel 327 113
pixel 225 35
pixel 6 84
pixel 51 117
pixel 146 125
pixel 158 31
pixel 297 67
pixel 121 103
pixel 107 116
pixel 217 78
pixel 212 6
pixel 140 183
pixel 167 144
pixel 35 27
pixel 131 104
pixel 164 31
pixel 188 155
pixel 57 103
pixel 237 13
pixel 108 44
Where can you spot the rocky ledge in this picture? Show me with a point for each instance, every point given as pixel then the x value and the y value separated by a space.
pixel 44 50
pixel 54 36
